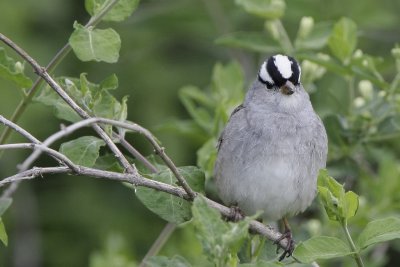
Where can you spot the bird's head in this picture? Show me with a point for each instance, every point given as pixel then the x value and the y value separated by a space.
pixel 280 72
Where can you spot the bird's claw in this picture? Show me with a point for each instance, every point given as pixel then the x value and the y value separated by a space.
pixel 235 214
pixel 288 250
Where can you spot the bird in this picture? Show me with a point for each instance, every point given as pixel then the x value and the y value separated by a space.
pixel 272 148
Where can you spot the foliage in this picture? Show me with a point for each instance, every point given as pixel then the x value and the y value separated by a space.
pixel 354 117
pixel 4 204
pixel 340 206
pixel 13 70
pixel 171 208
pixel 95 44
pixel 355 93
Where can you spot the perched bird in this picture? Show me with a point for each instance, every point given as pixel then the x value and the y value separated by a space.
pixel 272 148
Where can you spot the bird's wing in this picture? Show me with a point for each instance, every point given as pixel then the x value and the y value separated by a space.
pixel 221 137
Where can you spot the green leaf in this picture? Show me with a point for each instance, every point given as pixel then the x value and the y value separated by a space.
pixel 268 9
pixel 339 205
pixel 343 39
pixel 109 83
pixel 351 200
pixel 114 253
pixel 108 162
pixel 206 157
pixel 321 247
pixel 171 208
pixel 94 98
pixel 162 261
pixel 187 128
pixel 194 101
pixel 252 41
pixel 221 240
pixel 330 203
pixel 328 63
pixel 327 181
pixel 262 263
pixel 194 176
pixel 63 111
pixel 228 83
pixel 83 151
pixel 334 129
pixel 379 231
pixel 3 233
pixel 95 44
pixel 5 203
pixel 120 11
pixel 13 70
pixel 317 39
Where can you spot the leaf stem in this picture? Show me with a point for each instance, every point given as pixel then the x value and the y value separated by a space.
pixel 351 94
pixel 353 247
pixel 159 243
pixel 284 40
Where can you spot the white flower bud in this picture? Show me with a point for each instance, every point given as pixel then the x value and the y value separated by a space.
pixel 366 89
pixel 359 102
pixel 311 71
pixel 323 56
pixel 306 26
pixel 358 53
pixel 19 67
pixel 396 52
pixel 314 227
pixel 382 93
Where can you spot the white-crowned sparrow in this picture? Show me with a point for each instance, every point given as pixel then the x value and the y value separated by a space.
pixel 272 148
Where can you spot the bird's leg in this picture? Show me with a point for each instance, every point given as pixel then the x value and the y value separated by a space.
pixel 235 214
pixel 290 242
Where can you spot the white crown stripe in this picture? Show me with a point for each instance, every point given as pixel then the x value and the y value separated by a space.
pixel 264 75
pixel 298 65
pixel 283 65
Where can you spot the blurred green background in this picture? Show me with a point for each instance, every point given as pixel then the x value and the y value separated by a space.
pixel 69 221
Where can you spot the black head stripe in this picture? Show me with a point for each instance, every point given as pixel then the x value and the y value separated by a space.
pixel 295 78
pixel 274 73
pixel 268 84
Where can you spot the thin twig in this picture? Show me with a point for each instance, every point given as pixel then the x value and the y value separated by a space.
pixel 137 154
pixel 159 150
pixel 126 125
pixel 54 137
pixel 43 73
pixel 19 129
pixel 169 228
pixel 159 243
pixel 55 154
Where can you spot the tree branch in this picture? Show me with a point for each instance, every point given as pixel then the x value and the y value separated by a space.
pixel 43 73
pixel 130 126
pixel 19 129
pixel 55 154
pixel 137 180
pixel 50 67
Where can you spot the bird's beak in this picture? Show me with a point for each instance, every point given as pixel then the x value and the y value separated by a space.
pixel 287 88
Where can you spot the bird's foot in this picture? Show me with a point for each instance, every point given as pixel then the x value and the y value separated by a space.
pixel 235 214
pixel 288 250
